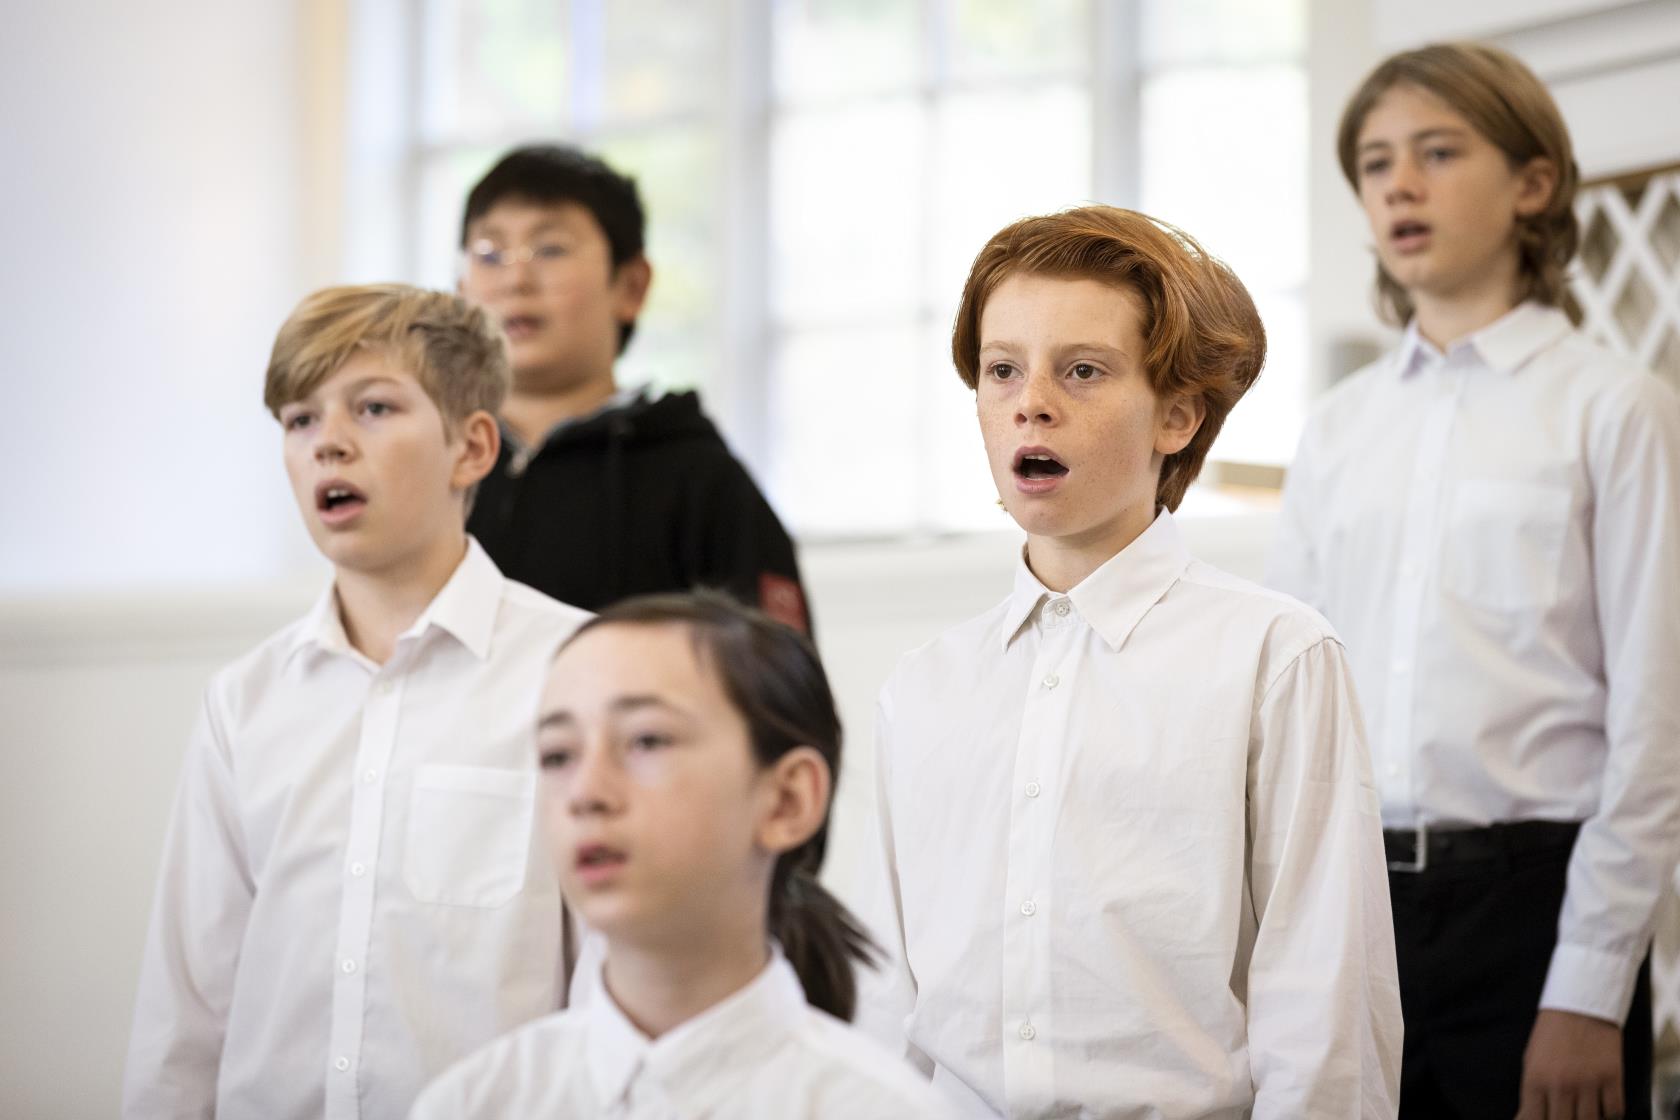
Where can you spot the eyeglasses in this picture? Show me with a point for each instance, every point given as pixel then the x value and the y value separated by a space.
pixel 487 256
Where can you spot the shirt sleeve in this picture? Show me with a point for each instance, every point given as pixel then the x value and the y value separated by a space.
pixel 1324 1027
pixel 746 551
pixel 887 992
pixel 1626 851
pixel 199 914
pixel 1292 563
pixel 446 1098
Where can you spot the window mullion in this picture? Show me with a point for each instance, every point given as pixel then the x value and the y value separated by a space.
pixel 741 390
pixel 1116 102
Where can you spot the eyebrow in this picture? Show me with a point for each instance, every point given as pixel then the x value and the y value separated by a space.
pixel 496 233
pixel 376 379
pixel 351 389
pixel 1446 131
pixel 1061 351
pixel 623 705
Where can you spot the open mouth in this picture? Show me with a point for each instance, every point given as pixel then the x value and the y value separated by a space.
pixel 598 856
pixel 519 327
pixel 597 863
pixel 338 499
pixel 1408 232
pixel 1036 463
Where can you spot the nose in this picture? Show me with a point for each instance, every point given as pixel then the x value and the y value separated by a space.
pixel 332 439
pixel 1037 403
pixel 596 785
pixel 1404 182
pixel 518 274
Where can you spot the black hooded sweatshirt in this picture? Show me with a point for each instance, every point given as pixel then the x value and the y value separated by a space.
pixel 639 497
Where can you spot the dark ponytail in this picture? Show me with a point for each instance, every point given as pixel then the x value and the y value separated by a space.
pixel 772 676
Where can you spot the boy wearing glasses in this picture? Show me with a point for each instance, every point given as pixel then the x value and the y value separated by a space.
pixel 599 492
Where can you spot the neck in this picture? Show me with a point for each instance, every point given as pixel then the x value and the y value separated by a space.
pixel 660 987
pixel 1062 563
pixel 1448 318
pixel 532 415
pixel 378 606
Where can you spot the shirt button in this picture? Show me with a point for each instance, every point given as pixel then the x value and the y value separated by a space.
pixel 1029 907
pixel 348 966
pixel 1402 666
pixel 370 776
pixel 1052 681
pixel 1061 607
pixel 358 870
pixel 384 688
pixel 1028 1031
pixel 1033 789
pixel 1394 770
pixel 342 1064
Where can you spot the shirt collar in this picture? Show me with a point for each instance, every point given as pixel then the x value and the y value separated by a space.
pixel 694 1063
pixel 1506 344
pixel 466 607
pixel 1114 598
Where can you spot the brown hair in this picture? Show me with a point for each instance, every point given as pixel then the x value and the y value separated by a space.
pixel 1202 336
pixel 772 677
pixel 1501 99
pixel 453 347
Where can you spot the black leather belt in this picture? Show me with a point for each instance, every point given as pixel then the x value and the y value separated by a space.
pixel 1418 849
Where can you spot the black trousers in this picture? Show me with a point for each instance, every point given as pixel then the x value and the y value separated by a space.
pixel 1473 942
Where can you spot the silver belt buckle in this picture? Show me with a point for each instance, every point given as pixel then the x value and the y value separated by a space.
pixel 1420 852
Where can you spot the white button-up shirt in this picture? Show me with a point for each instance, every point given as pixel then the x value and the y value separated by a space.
pixel 1133 859
pixel 761 1054
pixel 1495 532
pixel 354 893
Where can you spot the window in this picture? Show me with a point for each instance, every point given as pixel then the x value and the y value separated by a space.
pixel 818 175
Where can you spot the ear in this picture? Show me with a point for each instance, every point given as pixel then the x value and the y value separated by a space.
pixel 480 440
pixel 1180 419
pixel 631 281
pixel 796 788
pixel 1537 181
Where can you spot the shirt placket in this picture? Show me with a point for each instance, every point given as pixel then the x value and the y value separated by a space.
pixel 1035 794
pixel 360 872
pixel 1415 570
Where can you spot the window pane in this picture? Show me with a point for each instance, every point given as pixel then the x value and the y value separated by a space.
pixel 1224 156
pixel 845 234
pixel 1201 31
pixel 493 67
pixel 659 59
pixel 1008 38
pixel 1266 424
pixel 445 179
pixel 844 430
pixel 824 49
pixel 677 172
pixel 1002 156
pixel 960 494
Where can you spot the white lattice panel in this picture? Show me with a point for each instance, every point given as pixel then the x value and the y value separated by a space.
pixel 1627 276
pixel 1627 279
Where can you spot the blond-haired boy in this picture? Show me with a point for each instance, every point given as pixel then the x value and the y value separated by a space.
pixel 352 896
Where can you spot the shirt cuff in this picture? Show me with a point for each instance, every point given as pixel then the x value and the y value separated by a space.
pixel 1590 981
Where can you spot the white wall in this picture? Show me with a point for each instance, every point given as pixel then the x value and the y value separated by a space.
pixel 151 210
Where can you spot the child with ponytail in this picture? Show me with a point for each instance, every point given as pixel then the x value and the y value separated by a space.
pixel 688 748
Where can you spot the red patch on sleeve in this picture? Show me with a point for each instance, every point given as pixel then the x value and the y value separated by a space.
pixel 781 599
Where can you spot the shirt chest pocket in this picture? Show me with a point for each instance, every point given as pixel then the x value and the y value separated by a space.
pixel 1503 543
pixel 469 834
